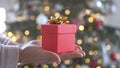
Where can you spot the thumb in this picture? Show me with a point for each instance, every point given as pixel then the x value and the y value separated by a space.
pixel 37 42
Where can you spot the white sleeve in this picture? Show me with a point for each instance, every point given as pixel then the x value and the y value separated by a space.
pixel 9 56
pixel 4 39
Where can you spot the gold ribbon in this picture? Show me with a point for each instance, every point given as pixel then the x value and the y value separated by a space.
pixel 58 20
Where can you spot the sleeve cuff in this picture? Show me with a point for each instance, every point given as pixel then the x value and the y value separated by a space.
pixel 9 56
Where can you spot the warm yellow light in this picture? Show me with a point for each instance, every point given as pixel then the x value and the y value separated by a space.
pixel 25 38
pixel 90 39
pixel 19 19
pixel 98 66
pixel 26 66
pixel 91 19
pixel 113 66
pixel 102 18
pixel 18 63
pixel 77 66
pixel 98 14
pixel 100 61
pixel 14 38
pixel 27 32
pixel 47 8
pixel 95 52
pixel 67 12
pixel 32 17
pixel 45 66
pixel 79 41
pixel 38 27
pixel 95 39
pixel 39 37
pixel 91 52
pixel 87 11
pixel 108 47
pixel 57 14
pixel 93 15
pixel 18 34
pixel 87 60
pixel 81 27
pixel 55 64
pixel 10 34
pixel 67 62
pixel 24 17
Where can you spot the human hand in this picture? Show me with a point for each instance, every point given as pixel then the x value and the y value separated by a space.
pixel 34 54
pixel 78 53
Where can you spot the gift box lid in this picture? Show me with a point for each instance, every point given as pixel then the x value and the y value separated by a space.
pixel 58 28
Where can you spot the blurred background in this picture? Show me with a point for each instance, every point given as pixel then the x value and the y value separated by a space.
pixel 98 28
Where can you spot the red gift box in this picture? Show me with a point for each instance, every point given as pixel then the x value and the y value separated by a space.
pixel 58 38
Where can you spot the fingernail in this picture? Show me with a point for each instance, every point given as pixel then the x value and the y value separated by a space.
pixel 84 53
pixel 58 61
pixel 81 55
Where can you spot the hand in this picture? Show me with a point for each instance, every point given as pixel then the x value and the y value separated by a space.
pixel 78 53
pixel 34 54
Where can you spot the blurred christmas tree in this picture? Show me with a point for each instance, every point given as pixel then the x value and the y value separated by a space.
pixel 99 41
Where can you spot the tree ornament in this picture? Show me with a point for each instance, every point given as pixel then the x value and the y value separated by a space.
pixel 30 6
pixel 41 19
pixel 114 56
pixel 98 23
pixel 59 7
pixel 93 63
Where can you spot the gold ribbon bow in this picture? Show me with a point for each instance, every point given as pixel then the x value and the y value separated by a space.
pixel 58 20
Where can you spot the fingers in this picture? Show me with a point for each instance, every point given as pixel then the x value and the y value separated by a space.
pixel 53 57
pixel 37 55
pixel 82 53
pixel 48 57
pixel 78 53
pixel 71 55
pixel 78 48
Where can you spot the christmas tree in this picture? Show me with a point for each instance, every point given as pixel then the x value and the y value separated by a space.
pixel 99 41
